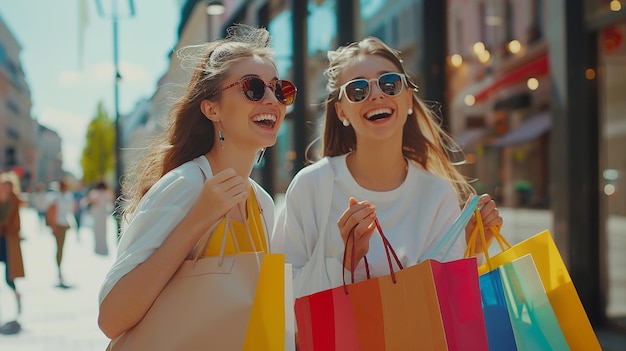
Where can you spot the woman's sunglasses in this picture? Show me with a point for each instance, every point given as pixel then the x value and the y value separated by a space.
pixel 253 88
pixel 358 90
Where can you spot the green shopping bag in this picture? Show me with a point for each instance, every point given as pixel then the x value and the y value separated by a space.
pixel 534 324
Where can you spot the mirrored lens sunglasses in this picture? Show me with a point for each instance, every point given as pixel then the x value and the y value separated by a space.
pixel 253 88
pixel 357 90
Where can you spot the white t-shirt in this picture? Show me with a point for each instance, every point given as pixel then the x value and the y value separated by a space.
pixel 413 217
pixel 65 207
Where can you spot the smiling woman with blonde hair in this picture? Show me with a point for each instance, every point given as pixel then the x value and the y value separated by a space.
pixel 385 157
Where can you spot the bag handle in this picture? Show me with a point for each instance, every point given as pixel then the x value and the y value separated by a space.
pixel 389 251
pixel 479 229
pixel 204 241
pixel 458 227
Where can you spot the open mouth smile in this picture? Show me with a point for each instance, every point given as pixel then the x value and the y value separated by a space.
pixel 378 114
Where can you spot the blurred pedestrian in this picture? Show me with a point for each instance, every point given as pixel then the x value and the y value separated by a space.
pixel 80 203
pixel 100 200
pixel 40 201
pixel 62 208
pixel 10 242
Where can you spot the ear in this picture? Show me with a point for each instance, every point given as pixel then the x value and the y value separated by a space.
pixel 340 112
pixel 210 110
pixel 410 103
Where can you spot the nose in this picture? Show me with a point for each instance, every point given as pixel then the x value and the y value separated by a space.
pixel 375 91
pixel 269 92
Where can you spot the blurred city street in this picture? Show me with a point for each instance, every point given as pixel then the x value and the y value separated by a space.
pixel 55 319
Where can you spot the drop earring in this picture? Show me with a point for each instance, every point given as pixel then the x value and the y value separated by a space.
pixel 221 137
pixel 345 122
pixel 410 111
pixel 260 156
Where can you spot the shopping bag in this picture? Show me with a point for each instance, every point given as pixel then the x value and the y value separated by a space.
pixel 557 283
pixel 534 324
pixel 216 302
pixel 266 327
pixel 497 321
pixel 428 306
pixel 495 308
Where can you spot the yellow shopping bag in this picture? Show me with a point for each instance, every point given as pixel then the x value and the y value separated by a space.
pixel 557 282
pixel 267 325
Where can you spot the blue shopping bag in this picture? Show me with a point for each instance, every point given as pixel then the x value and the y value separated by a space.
pixel 497 321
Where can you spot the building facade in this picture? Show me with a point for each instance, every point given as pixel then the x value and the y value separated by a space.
pixel 499 97
pixel 49 156
pixel 18 146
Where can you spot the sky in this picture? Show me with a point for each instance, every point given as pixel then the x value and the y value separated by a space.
pixel 67 83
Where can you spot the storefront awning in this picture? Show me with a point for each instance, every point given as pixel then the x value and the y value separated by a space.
pixel 535 68
pixel 530 129
pixel 470 137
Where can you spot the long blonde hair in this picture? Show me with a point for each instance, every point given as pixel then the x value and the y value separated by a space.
pixel 189 134
pixel 424 141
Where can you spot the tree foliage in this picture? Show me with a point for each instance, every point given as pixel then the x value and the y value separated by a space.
pixel 98 160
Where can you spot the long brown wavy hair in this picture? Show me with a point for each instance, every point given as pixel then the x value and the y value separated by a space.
pixel 189 134
pixel 423 141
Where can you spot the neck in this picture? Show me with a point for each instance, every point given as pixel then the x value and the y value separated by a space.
pixel 221 159
pixel 378 171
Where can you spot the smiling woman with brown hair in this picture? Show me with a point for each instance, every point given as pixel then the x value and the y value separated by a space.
pixel 197 173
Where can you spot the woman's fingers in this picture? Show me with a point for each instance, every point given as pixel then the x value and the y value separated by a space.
pixel 354 215
pixel 357 219
pixel 222 192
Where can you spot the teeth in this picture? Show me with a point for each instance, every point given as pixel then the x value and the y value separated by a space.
pixel 265 117
pixel 379 111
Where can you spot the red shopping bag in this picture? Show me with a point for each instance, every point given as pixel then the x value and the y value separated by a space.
pixel 428 306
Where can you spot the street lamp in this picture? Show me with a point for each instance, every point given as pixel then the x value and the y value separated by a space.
pixel 215 8
pixel 118 77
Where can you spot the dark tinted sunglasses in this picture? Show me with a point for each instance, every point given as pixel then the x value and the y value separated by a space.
pixel 358 90
pixel 253 88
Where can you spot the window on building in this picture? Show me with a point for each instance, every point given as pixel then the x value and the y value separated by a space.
pixel 535 32
pixel 10 157
pixel 281 32
pixel 510 21
pixel 13 106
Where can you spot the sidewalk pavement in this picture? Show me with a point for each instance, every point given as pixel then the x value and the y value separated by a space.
pixel 55 319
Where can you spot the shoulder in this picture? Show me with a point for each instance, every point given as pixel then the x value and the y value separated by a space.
pixel 188 173
pixel 312 173
pixel 181 184
pixel 428 177
pixel 430 183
